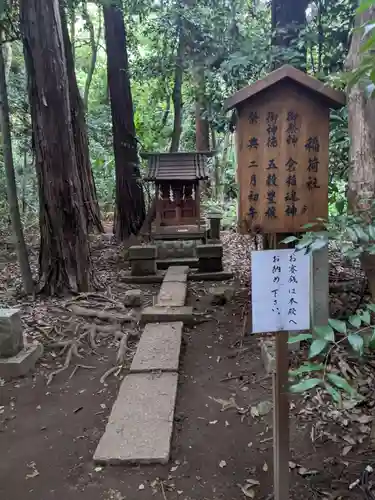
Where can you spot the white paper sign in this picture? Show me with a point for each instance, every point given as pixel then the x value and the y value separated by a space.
pixel 280 282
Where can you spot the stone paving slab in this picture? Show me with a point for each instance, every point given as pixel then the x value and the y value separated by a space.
pixel 172 294
pixel 158 348
pixel 157 314
pixel 176 274
pixel 139 429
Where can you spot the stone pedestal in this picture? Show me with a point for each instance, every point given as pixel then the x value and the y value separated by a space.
pixel 210 258
pixel 214 226
pixel 142 260
pixel 16 359
pixel 11 338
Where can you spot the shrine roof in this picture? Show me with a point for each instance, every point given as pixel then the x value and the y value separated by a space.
pixel 191 166
pixel 333 98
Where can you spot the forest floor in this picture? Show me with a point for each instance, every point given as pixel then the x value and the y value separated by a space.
pixel 222 441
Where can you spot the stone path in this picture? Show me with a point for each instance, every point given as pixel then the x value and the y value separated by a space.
pixel 139 429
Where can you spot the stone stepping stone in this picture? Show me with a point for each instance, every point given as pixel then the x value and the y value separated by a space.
pixel 159 348
pixel 160 314
pixel 172 294
pixel 139 429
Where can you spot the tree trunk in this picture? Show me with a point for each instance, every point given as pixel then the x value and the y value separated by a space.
pixel 21 249
pixel 288 19
pixel 130 206
pixel 202 126
pixel 91 209
pixel 64 252
pixel 177 92
pixel 361 111
pixel 94 44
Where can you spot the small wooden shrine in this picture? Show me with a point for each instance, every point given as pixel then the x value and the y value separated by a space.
pixel 177 178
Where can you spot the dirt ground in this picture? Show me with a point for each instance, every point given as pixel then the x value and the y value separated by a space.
pixel 48 434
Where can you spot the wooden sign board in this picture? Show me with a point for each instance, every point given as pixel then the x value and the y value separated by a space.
pixel 282 136
pixel 280 296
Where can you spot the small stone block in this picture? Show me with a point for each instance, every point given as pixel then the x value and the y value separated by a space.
pixel 208 251
pixel 21 364
pixel 221 295
pixel 172 294
pixel 139 429
pixel 133 298
pixel 142 253
pixel 157 314
pixel 143 267
pixel 268 354
pixel 159 348
pixel 11 338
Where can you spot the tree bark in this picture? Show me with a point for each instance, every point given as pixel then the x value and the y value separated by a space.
pixel 90 200
pixel 202 126
pixel 94 44
pixel 361 111
pixel 288 19
pixel 130 206
pixel 64 252
pixel 177 92
pixel 17 229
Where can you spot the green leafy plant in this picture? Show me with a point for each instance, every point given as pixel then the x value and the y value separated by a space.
pixel 358 332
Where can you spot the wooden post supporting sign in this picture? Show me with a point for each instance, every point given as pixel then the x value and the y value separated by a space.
pixel 282 137
pixel 280 282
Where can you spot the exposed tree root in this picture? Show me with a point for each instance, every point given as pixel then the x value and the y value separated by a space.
pixel 72 350
pixel 76 368
pixel 104 315
pixel 109 372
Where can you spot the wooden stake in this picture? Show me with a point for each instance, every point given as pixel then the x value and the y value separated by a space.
pixel 281 419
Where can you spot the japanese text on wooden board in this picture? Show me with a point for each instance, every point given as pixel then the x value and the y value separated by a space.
pixel 282 174
pixel 280 294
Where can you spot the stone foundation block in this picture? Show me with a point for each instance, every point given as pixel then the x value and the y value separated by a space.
pixel 142 253
pixel 11 338
pixel 22 363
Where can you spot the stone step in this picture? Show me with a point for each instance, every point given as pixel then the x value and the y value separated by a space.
pixel 183 261
pixel 139 429
pixel 172 294
pixel 157 314
pixel 158 348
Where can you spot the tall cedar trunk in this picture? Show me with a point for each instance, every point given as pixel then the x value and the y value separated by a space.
pixel 202 126
pixel 361 111
pixel 177 91
pixel 288 19
pixel 91 209
pixel 64 252
pixel 130 205
pixel 94 44
pixel 21 249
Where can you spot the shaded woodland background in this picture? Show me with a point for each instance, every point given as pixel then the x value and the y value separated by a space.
pixel 87 86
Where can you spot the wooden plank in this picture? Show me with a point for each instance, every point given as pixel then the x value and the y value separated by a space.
pixel 285 186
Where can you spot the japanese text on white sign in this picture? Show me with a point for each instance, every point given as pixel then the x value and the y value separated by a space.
pixel 280 282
